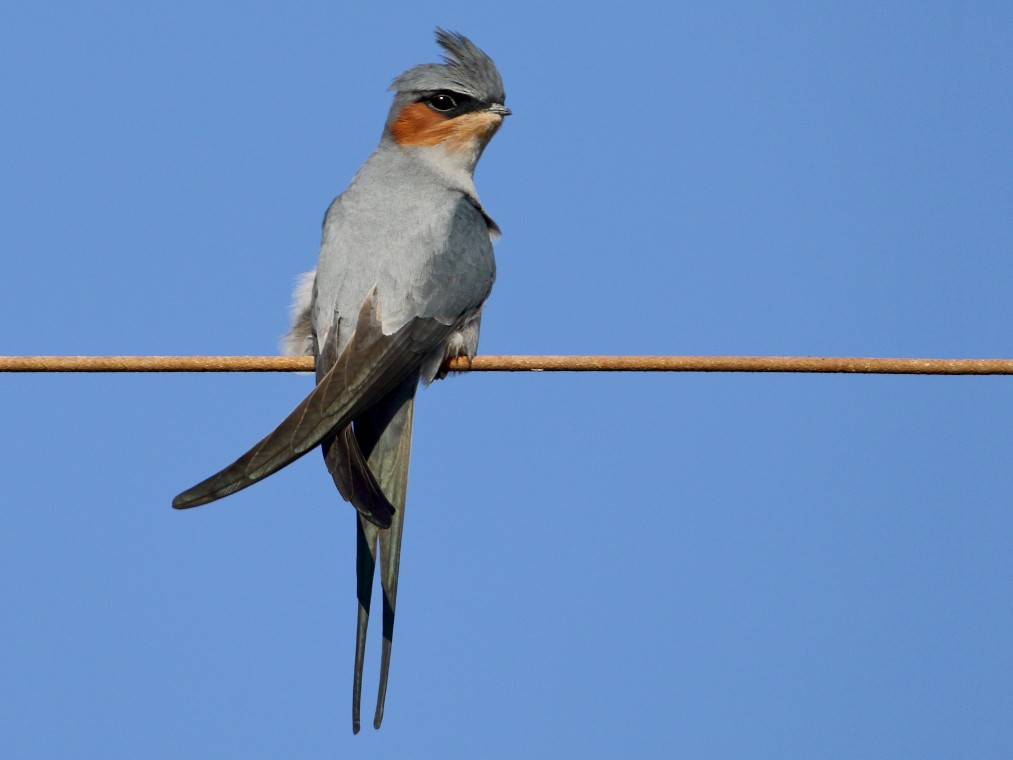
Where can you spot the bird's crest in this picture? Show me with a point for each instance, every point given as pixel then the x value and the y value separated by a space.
pixel 465 69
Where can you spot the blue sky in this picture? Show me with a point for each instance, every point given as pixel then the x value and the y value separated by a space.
pixel 707 566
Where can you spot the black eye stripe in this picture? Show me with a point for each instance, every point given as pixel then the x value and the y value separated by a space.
pixel 450 103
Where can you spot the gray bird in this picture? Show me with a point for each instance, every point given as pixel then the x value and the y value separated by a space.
pixel 405 265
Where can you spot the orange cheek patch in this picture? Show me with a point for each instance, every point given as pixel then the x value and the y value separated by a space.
pixel 419 125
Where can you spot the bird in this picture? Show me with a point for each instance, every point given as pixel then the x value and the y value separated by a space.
pixel 405 267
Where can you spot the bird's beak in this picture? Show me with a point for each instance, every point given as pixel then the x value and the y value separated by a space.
pixel 500 109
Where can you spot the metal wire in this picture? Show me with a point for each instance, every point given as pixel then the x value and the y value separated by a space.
pixel 821 364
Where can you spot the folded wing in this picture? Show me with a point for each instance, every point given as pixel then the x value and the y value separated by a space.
pixel 370 367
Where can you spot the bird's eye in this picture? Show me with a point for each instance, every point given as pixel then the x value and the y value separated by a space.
pixel 442 101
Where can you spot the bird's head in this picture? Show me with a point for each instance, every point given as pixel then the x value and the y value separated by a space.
pixel 455 106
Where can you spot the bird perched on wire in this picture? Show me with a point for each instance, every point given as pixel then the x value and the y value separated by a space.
pixel 405 265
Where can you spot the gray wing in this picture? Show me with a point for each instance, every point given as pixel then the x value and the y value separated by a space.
pixel 370 366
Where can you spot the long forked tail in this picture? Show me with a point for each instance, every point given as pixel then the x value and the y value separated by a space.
pixel 384 435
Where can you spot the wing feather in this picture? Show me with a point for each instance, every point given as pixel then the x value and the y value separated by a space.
pixel 370 366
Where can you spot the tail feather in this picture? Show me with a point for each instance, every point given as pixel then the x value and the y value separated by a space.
pixel 353 478
pixel 384 436
pixel 396 464
pixel 365 563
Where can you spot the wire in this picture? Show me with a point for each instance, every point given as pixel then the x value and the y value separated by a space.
pixel 823 364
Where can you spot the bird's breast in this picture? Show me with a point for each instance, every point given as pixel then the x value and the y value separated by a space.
pixel 425 250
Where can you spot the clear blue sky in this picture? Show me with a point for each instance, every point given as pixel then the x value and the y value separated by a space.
pixel 705 566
